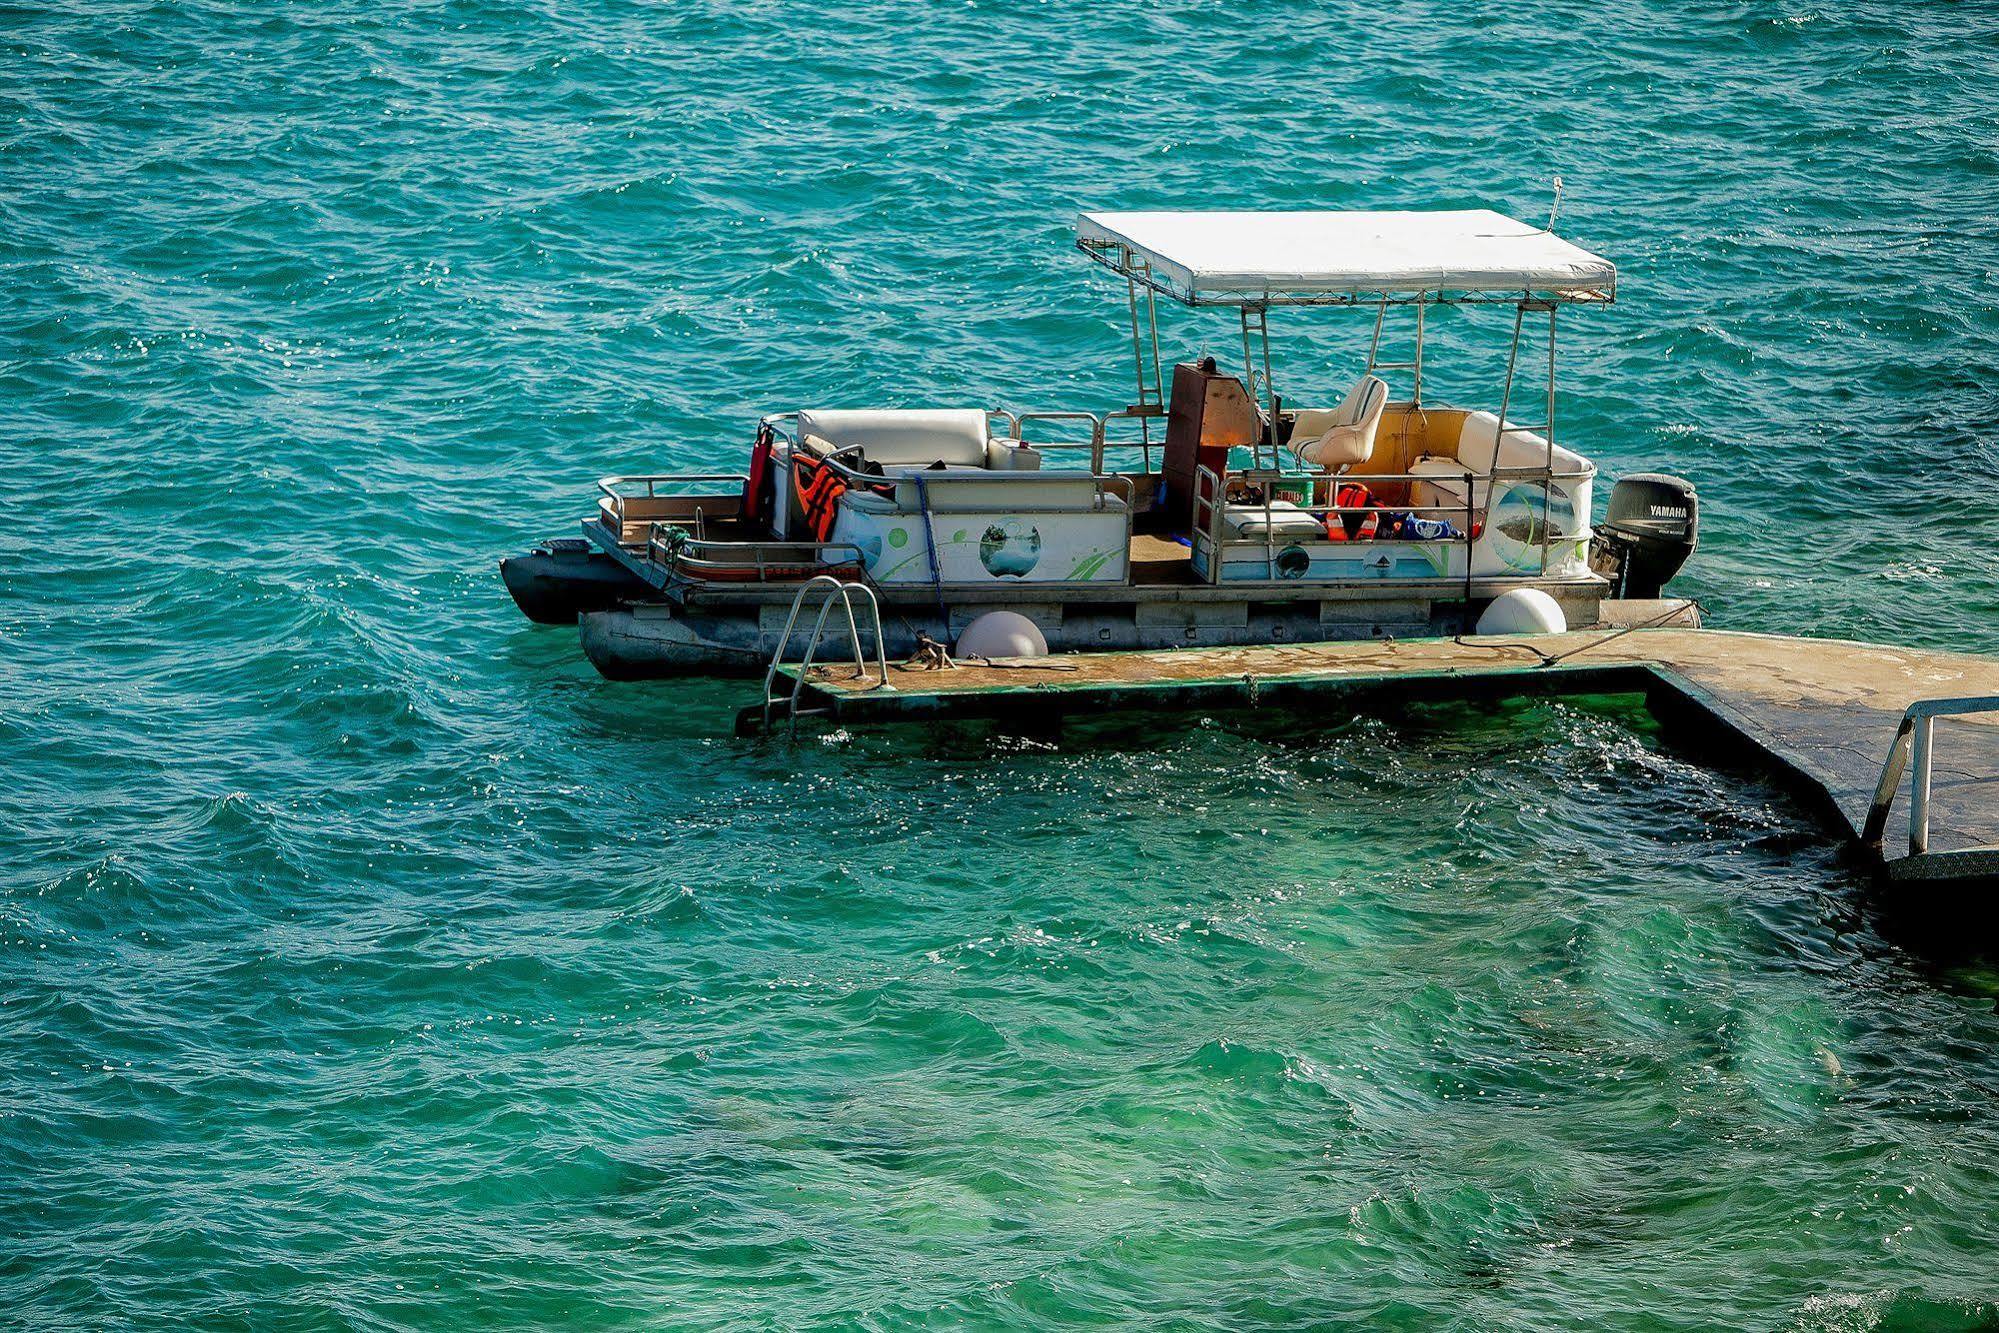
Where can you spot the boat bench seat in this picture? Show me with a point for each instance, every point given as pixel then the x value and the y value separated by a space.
pixel 954 450
pixel 964 489
pixel 1283 522
pixel 1440 489
pixel 904 437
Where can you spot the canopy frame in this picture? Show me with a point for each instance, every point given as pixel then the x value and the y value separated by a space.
pixel 1124 261
pixel 1334 258
pixel 1135 265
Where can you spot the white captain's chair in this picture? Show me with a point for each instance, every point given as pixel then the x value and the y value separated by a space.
pixel 1343 436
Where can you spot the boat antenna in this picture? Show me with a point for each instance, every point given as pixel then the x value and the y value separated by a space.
pixel 1556 207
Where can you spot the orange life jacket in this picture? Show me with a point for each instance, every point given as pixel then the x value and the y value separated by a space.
pixel 1351 525
pixel 819 490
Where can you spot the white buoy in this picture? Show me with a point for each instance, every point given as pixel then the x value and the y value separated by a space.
pixel 1523 611
pixel 1002 634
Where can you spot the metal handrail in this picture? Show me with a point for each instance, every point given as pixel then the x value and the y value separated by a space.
pixel 1212 498
pixel 1532 474
pixel 1917 733
pixel 845 593
pixel 1022 418
pixel 653 481
pixel 686 557
pixel 1096 432
pixel 1105 483
pixel 1144 444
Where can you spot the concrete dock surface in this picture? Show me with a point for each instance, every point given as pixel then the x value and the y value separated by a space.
pixel 1824 713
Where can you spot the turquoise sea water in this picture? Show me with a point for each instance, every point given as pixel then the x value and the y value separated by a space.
pixel 365 961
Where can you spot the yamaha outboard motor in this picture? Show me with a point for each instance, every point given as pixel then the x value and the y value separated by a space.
pixel 1651 528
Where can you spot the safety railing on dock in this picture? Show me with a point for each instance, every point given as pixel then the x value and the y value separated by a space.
pixel 1915 740
pixel 831 590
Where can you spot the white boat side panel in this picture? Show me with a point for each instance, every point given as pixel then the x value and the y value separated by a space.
pixel 1510 544
pixel 989 548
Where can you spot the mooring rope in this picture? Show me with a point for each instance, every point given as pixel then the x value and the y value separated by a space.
pixel 1550 659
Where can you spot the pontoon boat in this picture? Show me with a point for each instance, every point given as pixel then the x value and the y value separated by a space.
pixel 1209 511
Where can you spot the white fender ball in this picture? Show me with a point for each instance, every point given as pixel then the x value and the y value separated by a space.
pixel 1002 634
pixel 1523 611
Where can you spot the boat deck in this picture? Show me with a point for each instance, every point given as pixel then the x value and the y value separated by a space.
pixel 1161 562
pixel 1822 712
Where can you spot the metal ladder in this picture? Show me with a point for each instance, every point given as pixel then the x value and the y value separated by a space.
pixel 1916 738
pixel 833 590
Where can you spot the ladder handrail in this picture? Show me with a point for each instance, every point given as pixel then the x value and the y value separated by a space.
pixel 1916 733
pixel 845 593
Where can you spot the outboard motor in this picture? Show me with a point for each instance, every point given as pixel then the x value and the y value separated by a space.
pixel 1652 526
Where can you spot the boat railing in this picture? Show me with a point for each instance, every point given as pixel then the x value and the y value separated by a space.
pixel 682 555
pixel 1015 425
pixel 1099 441
pixel 1104 485
pixel 644 498
pixel 1211 507
pixel 662 518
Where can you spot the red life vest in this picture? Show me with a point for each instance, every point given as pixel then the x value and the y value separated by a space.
pixel 1351 525
pixel 819 490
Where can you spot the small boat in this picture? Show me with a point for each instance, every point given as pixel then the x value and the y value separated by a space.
pixel 1211 510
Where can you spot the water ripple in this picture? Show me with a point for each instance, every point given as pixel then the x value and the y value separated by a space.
pixel 365 959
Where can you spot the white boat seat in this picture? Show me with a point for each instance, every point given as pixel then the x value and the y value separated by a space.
pixel 1523 448
pixel 1339 437
pixel 1440 492
pixel 956 437
pixel 1283 522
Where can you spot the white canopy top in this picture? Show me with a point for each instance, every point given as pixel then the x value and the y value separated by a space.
pixel 1327 257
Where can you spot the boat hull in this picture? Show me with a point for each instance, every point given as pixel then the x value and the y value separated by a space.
pixel 647 640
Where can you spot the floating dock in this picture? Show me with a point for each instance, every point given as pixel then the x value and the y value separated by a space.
pixel 1861 731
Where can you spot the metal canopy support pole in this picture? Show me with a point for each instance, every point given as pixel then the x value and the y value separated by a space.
pixel 1548 434
pixel 1250 374
pixel 1416 390
pixel 1151 393
pixel 1505 406
pixel 1248 361
pixel 1506 395
pixel 1138 352
pixel 1158 375
pixel 1375 365
pixel 1269 388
